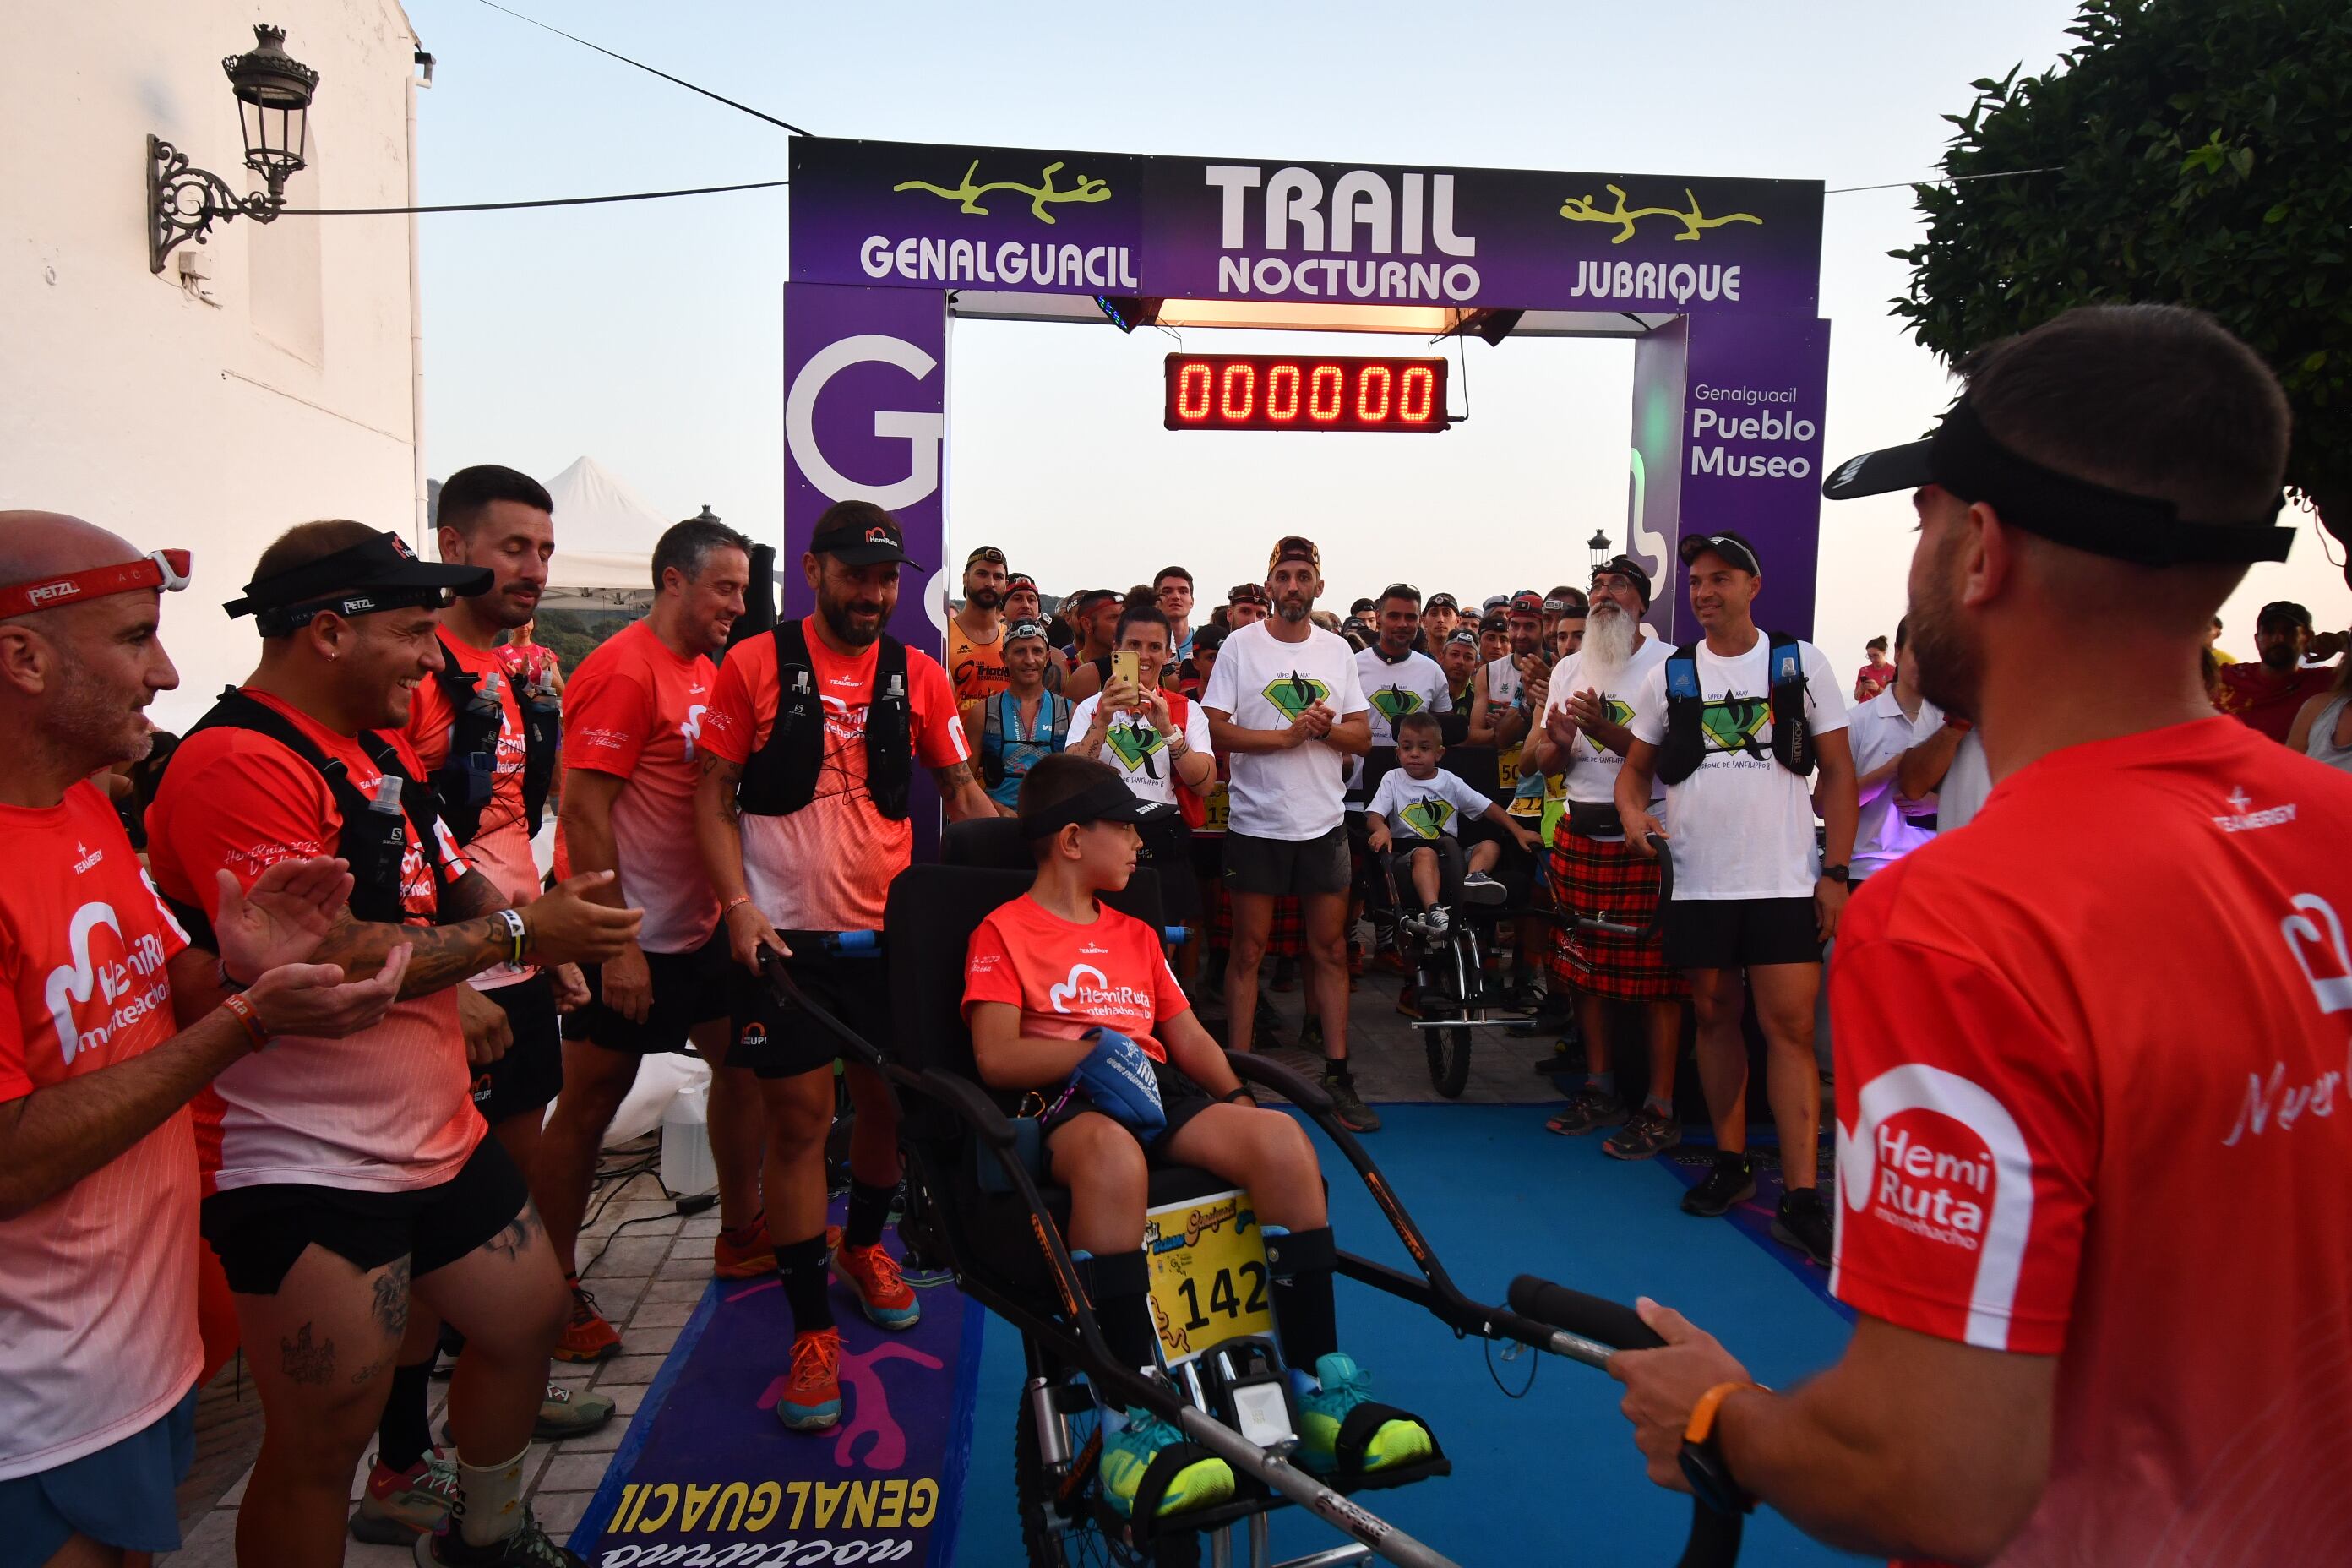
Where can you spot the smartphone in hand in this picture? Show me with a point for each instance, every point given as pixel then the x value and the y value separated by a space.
pixel 1123 666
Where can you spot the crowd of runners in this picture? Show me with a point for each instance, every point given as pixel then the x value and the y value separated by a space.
pixel 283 1081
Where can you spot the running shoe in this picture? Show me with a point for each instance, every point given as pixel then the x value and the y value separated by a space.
pixel 569 1412
pixel 587 1336
pixel 1127 1457
pixel 1348 1106
pixel 527 1547
pixel 1732 1181
pixel 1648 1133
pixel 812 1396
pixel 1478 888
pixel 745 1254
pixel 1323 1413
pixel 1804 1222
pixel 1589 1108
pixel 873 1277
pixel 398 1506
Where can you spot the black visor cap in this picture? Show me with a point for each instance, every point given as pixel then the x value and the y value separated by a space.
pixel 1105 800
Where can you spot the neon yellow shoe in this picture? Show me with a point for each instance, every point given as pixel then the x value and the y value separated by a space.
pixel 1127 1456
pixel 1343 1416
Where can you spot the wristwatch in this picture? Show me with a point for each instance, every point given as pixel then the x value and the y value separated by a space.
pixel 1701 1456
pixel 1842 876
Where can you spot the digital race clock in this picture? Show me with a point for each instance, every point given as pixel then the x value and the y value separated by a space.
pixel 1294 392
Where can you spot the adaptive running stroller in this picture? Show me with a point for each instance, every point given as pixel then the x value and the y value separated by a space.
pixel 979 1202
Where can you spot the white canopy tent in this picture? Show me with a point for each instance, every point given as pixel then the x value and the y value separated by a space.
pixel 605 533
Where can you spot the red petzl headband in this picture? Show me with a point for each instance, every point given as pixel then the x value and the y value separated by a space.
pixel 164 569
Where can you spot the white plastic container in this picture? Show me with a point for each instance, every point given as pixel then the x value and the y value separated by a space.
pixel 686 1166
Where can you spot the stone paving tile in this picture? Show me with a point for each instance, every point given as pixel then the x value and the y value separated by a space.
pixel 602 1440
pixel 625 1255
pixel 627 1369
pixel 574 1472
pixel 559 1512
pixel 660 1315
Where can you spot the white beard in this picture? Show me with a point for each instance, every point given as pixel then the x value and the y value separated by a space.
pixel 1608 644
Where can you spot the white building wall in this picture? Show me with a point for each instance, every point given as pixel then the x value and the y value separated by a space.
pixel 172 419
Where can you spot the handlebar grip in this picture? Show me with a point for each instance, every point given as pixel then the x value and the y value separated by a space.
pixel 1714 1539
pixel 1609 1322
pixel 854 944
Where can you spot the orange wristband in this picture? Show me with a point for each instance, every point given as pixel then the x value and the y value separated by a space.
pixel 1702 1415
pixel 238 1007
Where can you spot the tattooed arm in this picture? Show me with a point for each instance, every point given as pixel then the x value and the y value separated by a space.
pixel 961 792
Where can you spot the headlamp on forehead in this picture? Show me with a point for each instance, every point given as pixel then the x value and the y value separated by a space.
pixel 167 570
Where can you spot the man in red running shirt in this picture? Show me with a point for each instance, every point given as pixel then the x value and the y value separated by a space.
pixel 633 715
pixel 110 1026
pixel 804 816
pixel 2091 1138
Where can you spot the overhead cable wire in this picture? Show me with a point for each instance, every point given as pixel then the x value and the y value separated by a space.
pixel 547 202
pixel 1904 184
pixel 641 65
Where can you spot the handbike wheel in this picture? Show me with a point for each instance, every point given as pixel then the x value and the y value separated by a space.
pixel 1449 1049
pixel 1053 1539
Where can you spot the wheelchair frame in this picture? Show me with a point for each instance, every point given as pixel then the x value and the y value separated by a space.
pixel 1583 1327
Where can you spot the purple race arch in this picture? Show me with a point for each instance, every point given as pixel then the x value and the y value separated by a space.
pixel 1716 279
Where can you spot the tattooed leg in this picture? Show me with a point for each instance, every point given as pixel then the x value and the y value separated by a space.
pixel 507 1297
pixel 321 1350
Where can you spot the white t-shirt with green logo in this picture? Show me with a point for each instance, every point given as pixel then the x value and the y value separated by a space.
pixel 1134 746
pixel 1426 809
pixel 1265 683
pixel 1592 768
pixel 1742 824
pixel 1414 684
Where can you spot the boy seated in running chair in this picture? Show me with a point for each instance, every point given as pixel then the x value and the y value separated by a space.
pixel 1416 819
pixel 1074 1001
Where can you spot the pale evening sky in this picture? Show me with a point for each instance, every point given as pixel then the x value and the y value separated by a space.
pixel 648 335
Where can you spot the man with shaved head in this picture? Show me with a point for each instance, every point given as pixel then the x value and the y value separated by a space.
pixel 353 1172
pixel 114 1021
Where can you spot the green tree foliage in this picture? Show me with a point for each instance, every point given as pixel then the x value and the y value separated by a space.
pixel 573 634
pixel 2199 152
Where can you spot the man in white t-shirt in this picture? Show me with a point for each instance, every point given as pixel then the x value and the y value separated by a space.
pixel 1159 742
pixel 1287 707
pixel 1594 872
pixel 1947 765
pixel 1881 733
pixel 1752 894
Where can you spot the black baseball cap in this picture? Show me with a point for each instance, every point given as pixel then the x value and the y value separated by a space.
pixel 1962 457
pixel 1249 593
pixel 859 533
pixel 1734 548
pixel 1626 566
pixel 1105 800
pixel 379 572
pixel 2283 613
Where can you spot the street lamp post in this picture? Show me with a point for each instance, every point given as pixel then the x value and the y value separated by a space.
pixel 1599 545
pixel 273 96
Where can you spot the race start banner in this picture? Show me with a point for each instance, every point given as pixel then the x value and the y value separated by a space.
pixel 1716 280
pixel 708 1475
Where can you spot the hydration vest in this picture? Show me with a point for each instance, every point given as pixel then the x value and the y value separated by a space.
pixel 376 834
pixel 780 777
pixel 992 740
pixel 467 779
pixel 1684 746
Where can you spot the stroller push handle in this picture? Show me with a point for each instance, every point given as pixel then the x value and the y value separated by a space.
pixel 1714 1540
pixel 1600 922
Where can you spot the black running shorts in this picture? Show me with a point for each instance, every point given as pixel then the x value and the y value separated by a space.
pixel 522 1081
pixel 1273 867
pixel 776 1041
pixel 689 988
pixel 1732 933
pixel 259 1233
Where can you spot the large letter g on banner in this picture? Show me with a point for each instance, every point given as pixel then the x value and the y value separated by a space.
pixel 922 432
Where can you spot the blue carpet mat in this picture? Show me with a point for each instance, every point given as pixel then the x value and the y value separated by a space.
pixel 1753 1219
pixel 1549 1477
pixel 925 1473
pixel 708 1474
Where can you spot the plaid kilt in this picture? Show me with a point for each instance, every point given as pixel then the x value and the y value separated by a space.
pixel 1287 938
pixel 1589 876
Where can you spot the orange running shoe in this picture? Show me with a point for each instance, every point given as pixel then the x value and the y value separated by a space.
pixel 587 1337
pixel 872 1275
pixel 812 1396
pixel 745 1254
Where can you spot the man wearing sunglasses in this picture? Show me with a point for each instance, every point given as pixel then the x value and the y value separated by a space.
pixel 113 1024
